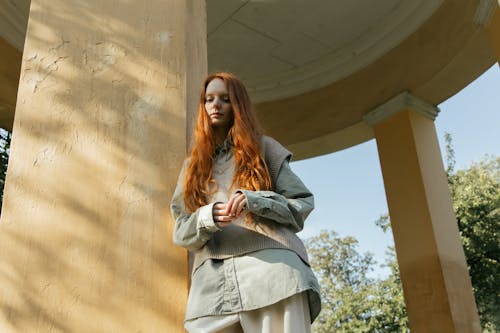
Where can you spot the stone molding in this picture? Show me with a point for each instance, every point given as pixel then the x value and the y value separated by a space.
pixel 406 18
pixel 401 102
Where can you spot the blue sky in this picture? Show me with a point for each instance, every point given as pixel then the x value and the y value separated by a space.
pixel 353 196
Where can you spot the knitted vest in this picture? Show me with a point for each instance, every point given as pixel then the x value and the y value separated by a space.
pixel 241 237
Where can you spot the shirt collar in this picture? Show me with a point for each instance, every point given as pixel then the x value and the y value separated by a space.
pixel 225 148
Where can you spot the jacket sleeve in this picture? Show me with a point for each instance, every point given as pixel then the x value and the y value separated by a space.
pixel 289 204
pixel 192 230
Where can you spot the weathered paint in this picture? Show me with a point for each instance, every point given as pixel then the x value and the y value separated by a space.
pixel 99 136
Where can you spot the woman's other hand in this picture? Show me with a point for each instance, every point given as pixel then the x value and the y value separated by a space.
pixel 219 212
pixel 237 203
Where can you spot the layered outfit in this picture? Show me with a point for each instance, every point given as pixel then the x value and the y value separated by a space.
pixel 254 273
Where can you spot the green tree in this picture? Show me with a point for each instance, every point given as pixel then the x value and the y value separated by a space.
pixel 352 301
pixel 4 159
pixel 475 192
pixel 476 201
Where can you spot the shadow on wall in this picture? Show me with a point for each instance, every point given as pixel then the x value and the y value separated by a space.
pixel 97 144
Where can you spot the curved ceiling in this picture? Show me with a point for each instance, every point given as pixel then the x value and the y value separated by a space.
pixel 449 50
pixel 316 67
pixel 282 48
pixel 13 21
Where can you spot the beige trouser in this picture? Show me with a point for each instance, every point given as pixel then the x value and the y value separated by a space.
pixel 290 315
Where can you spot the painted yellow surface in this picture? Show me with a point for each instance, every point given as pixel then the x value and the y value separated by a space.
pixel 494 31
pixel 98 140
pixel 437 287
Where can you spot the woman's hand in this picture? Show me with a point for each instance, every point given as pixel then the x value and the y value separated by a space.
pixel 224 214
pixel 221 218
pixel 237 203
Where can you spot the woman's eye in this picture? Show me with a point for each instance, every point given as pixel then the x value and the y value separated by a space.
pixel 226 99
pixel 209 99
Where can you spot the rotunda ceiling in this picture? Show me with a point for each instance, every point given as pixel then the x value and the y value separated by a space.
pixel 314 68
pixel 282 48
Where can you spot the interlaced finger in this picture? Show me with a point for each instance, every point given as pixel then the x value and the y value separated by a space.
pixel 241 206
pixel 234 202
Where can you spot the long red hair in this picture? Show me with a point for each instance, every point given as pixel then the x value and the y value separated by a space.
pixel 250 168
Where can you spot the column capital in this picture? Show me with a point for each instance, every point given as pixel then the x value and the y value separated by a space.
pixel 400 102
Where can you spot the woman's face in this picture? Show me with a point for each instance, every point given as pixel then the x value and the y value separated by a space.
pixel 217 104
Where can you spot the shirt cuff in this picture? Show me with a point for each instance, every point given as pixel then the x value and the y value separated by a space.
pixel 254 199
pixel 206 218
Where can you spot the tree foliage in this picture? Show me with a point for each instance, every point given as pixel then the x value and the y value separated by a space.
pixel 352 301
pixel 475 192
pixel 4 159
pixel 476 201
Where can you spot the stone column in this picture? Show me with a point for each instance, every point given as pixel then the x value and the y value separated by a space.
pixel 436 283
pixel 99 136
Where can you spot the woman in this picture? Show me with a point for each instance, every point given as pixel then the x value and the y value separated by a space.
pixel 237 206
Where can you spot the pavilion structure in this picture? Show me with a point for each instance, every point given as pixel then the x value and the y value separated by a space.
pixel 100 97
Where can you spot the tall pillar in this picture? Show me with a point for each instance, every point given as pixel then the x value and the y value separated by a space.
pixel 98 140
pixel 436 283
pixel 494 29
